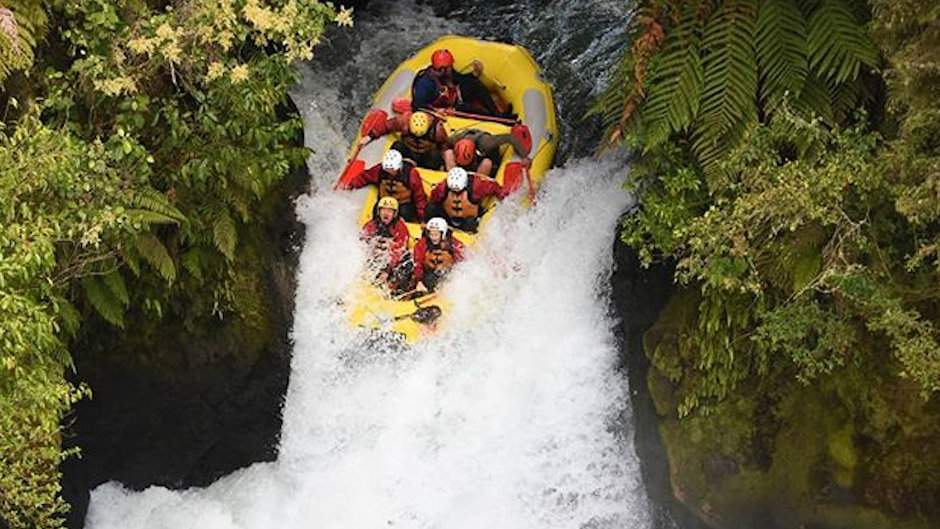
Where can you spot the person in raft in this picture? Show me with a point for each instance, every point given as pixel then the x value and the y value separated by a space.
pixel 387 237
pixel 479 151
pixel 423 137
pixel 439 86
pixel 398 179
pixel 458 198
pixel 435 254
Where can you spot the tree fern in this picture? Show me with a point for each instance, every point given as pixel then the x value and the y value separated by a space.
pixel 838 44
pixel 22 23
pixel 781 49
pixel 730 94
pixel 676 80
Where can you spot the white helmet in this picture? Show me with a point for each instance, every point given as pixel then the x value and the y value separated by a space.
pixel 392 160
pixel 457 179
pixel 439 224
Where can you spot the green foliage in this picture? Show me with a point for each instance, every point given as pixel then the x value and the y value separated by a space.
pixel 727 65
pixel 22 24
pixel 143 139
pixel 805 233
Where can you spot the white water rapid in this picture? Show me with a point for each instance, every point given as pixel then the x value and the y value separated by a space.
pixel 514 417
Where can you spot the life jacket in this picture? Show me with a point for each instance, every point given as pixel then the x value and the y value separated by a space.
pixel 396 185
pixel 421 144
pixel 383 236
pixel 447 93
pixel 460 205
pixel 440 257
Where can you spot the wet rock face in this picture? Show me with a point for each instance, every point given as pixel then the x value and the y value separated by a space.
pixel 181 407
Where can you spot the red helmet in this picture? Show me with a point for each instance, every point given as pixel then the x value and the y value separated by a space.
pixel 442 59
pixel 465 151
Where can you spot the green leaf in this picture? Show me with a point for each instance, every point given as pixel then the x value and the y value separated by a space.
pixel 730 95
pixel 225 234
pixel 103 300
pixel 781 49
pixel 675 86
pixel 155 254
pixel 150 199
pixel 839 45
pixel 115 283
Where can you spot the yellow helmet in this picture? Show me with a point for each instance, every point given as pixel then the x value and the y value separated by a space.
pixel 388 202
pixel 419 123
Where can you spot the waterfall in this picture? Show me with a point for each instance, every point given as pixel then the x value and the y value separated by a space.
pixel 513 417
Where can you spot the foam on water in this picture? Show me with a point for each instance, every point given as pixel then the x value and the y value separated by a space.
pixel 513 417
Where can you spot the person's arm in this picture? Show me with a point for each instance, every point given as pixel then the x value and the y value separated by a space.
pixel 418 196
pixel 399 243
pixel 487 187
pixel 458 251
pixel 492 143
pixel 440 135
pixel 367 231
pixel 366 177
pixel 420 250
pixel 437 194
pixel 397 123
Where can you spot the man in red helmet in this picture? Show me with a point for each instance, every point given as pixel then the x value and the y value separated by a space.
pixel 439 86
pixel 479 151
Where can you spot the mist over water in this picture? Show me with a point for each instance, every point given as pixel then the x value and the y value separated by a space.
pixel 513 417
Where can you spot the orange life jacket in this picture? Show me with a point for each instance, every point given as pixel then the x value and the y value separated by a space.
pixel 421 144
pixel 396 185
pixel 460 205
pixel 440 257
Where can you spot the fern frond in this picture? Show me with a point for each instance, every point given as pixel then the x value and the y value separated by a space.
pixel 194 260
pixel 224 233
pixel 730 95
pixel 814 98
pixel 22 23
pixel 156 255
pixel 115 283
pixel 781 50
pixel 104 301
pixel 839 45
pixel 69 316
pixel 147 217
pixel 156 201
pixel 676 79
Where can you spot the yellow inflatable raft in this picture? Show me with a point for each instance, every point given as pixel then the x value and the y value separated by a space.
pixel 513 77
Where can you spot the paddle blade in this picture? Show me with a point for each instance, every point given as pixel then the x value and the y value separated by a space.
pixel 512 177
pixel 426 315
pixel 354 168
pixel 521 133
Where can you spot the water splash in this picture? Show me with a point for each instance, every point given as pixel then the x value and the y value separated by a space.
pixel 511 418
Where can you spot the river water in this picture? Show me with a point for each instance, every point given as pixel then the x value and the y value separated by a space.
pixel 515 416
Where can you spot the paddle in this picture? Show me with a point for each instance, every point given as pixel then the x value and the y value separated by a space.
pixel 423 315
pixel 349 165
